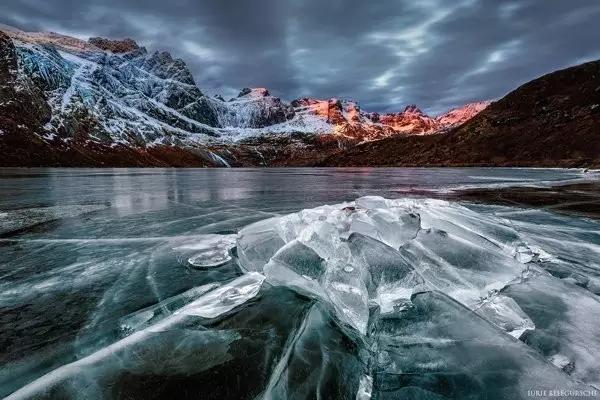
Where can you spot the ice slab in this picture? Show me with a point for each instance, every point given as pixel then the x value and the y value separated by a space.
pixel 377 251
pixel 297 266
pixel 257 243
pixel 505 313
pixel 566 323
pixel 151 315
pixel 226 297
pixel 320 362
pixel 437 348
pixel 207 251
pixel 466 270
pixel 391 278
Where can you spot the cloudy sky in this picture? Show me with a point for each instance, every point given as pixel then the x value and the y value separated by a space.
pixel 384 53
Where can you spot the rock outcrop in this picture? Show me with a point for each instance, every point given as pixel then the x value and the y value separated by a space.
pixel 115 46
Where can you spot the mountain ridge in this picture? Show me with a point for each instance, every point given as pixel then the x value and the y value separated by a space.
pixel 105 102
pixel 553 120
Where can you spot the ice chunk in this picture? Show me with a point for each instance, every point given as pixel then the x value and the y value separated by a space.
pixel 477 227
pixel 297 266
pixel 466 270
pixel 209 258
pixel 392 280
pixel 153 314
pixel 566 322
pixel 347 255
pixel 562 362
pixel 505 313
pixel 226 297
pixel 208 250
pixel 303 260
pixel 347 292
pixel 257 243
pixel 324 239
pixel 427 351
pixel 393 227
pixel 528 253
pixel 365 387
pixel 372 202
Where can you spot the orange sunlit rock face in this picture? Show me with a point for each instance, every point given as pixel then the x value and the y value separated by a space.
pixel 345 117
pixel 462 114
pixel 331 109
pixel 414 121
pixel 348 119
pixel 411 120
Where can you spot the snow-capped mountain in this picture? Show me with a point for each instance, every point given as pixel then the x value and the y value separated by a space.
pixel 414 121
pixel 343 117
pixel 105 96
pixel 253 108
pixel 460 115
pixel 411 120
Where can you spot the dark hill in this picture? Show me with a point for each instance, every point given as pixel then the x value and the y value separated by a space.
pixel 552 121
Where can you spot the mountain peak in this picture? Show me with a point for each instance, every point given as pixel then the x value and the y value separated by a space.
pixel 161 64
pixel 254 92
pixel 413 109
pixel 460 115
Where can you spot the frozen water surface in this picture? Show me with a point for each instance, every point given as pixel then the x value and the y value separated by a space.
pixel 292 284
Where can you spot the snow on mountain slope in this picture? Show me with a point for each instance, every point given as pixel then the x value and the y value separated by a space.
pixel 253 108
pixel 136 98
pixel 460 115
pixel 344 117
pixel 130 97
pixel 114 93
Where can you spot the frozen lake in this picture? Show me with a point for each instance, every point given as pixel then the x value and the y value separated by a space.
pixel 292 284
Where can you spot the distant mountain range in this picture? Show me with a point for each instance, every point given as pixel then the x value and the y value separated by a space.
pixel 70 102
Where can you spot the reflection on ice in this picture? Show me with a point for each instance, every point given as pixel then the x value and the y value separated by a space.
pixel 20 219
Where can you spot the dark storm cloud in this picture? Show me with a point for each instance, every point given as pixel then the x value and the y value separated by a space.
pixel 385 53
